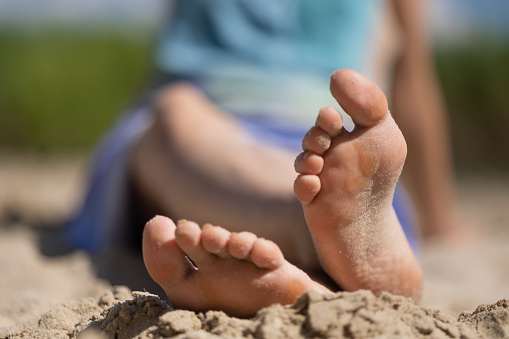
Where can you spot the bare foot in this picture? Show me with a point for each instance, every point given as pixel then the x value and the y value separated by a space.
pixel 346 185
pixel 238 273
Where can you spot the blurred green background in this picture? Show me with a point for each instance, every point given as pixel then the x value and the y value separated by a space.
pixel 475 82
pixel 60 90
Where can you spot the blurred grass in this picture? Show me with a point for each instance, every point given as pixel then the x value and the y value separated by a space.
pixel 475 83
pixel 60 90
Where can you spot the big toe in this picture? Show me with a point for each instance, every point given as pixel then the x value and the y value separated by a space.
pixel 164 260
pixel 360 97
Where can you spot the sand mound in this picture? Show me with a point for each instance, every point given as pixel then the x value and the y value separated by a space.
pixel 492 321
pixel 68 319
pixel 61 296
pixel 120 314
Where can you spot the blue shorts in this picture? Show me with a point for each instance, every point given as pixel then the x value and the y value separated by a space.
pixel 99 223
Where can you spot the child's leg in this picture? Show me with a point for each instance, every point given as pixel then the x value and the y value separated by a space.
pixel 197 162
pixel 346 186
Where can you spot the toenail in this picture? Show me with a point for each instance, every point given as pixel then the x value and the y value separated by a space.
pixel 337 126
pixel 181 221
pixel 153 218
pixel 324 142
pixel 207 225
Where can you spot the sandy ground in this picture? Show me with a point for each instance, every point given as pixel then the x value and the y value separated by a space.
pixel 55 296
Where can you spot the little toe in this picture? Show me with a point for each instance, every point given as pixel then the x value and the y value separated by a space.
pixel 241 244
pixel 188 236
pixel 266 254
pixel 330 120
pixel 316 140
pixel 306 187
pixel 308 163
pixel 215 240
pixel 361 98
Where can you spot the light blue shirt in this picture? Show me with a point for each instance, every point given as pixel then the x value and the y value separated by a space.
pixel 260 57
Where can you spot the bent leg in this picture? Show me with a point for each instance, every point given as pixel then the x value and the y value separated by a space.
pixel 197 162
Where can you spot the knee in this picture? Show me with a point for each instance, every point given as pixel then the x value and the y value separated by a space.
pixel 173 97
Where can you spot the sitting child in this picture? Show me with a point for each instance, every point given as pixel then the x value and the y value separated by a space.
pixel 346 184
pixel 216 143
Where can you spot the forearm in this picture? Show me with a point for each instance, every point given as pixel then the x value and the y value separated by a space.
pixel 419 110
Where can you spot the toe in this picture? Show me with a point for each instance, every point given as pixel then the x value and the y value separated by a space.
pixel 266 254
pixel 308 163
pixel 188 236
pixel 165 261
pixel 241 244
pixel 329 119
pixel 316 140
pixel 306 187
pixel 215 239
pixel 361 98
